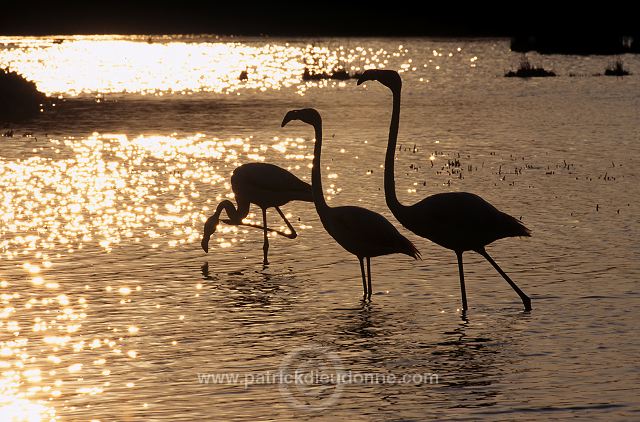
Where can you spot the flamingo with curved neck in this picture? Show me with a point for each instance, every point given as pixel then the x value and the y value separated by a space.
pixel 265 185
pixel 364 233
pixel 459 221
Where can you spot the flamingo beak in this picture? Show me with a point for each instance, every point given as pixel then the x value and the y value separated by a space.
pixel 209 229
pixel 287 118
pixel 205 243
pixel 364 77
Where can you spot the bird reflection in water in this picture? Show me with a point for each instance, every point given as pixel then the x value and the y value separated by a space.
pixel 469 359
pixel 360 323
pixel 246 289
pixel 206 274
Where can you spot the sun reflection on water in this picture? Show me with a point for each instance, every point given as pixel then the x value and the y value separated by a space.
pixel 46 357
pixel 97 192
pixel 116 64
pixel 51 355
pixel 104 189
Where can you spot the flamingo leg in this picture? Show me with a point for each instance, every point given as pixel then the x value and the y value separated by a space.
pixel 364 281
pixel 265 246
pixel 525 299
pixel 463 290
pixel 293 234
pixel 369 278
pixel 255 226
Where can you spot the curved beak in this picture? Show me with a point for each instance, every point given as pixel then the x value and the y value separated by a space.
pixel 364 78
pixel 209 228
pixel 205 243
pixel 287 118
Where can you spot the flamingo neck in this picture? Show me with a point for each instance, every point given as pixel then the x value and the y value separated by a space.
pixel 316 177
pixel 227 206
pixel 212 222
pixel 389 162
pixel 234 214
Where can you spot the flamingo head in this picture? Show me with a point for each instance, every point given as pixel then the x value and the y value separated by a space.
pixel 389 78
pixel 307 115
pixel 209 229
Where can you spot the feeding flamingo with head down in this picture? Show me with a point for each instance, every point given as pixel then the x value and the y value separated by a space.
pixel 265 185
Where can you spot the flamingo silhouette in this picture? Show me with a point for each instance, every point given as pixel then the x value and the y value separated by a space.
pixel 265 185
pixel 459 221
pixel 364 233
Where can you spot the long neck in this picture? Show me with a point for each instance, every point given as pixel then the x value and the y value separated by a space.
pixel 316 178
pixel 389 162
pixel 236 215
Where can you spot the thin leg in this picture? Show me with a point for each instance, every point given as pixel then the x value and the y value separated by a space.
pixel 256 226
pixel 525 299
pixel 463 290
pixel 265 246
pixel 369 278
pixel 293 234
pixel 364 281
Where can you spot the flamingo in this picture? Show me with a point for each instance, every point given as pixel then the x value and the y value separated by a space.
pixel 265 185
pixel 459 221
pixel 364 233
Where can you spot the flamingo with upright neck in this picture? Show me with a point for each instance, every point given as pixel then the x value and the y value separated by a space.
pixel 459 221
pixel 364 233
pixel 265 185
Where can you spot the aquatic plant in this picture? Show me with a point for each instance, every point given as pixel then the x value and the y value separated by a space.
pixel 616 69
pixel 20 98
pixel 527 70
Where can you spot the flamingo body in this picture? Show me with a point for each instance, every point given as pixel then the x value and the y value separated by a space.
pixel 365 233
pixel 268 185
pixel 460 221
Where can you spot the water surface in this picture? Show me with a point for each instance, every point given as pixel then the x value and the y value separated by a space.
pixel 111 310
